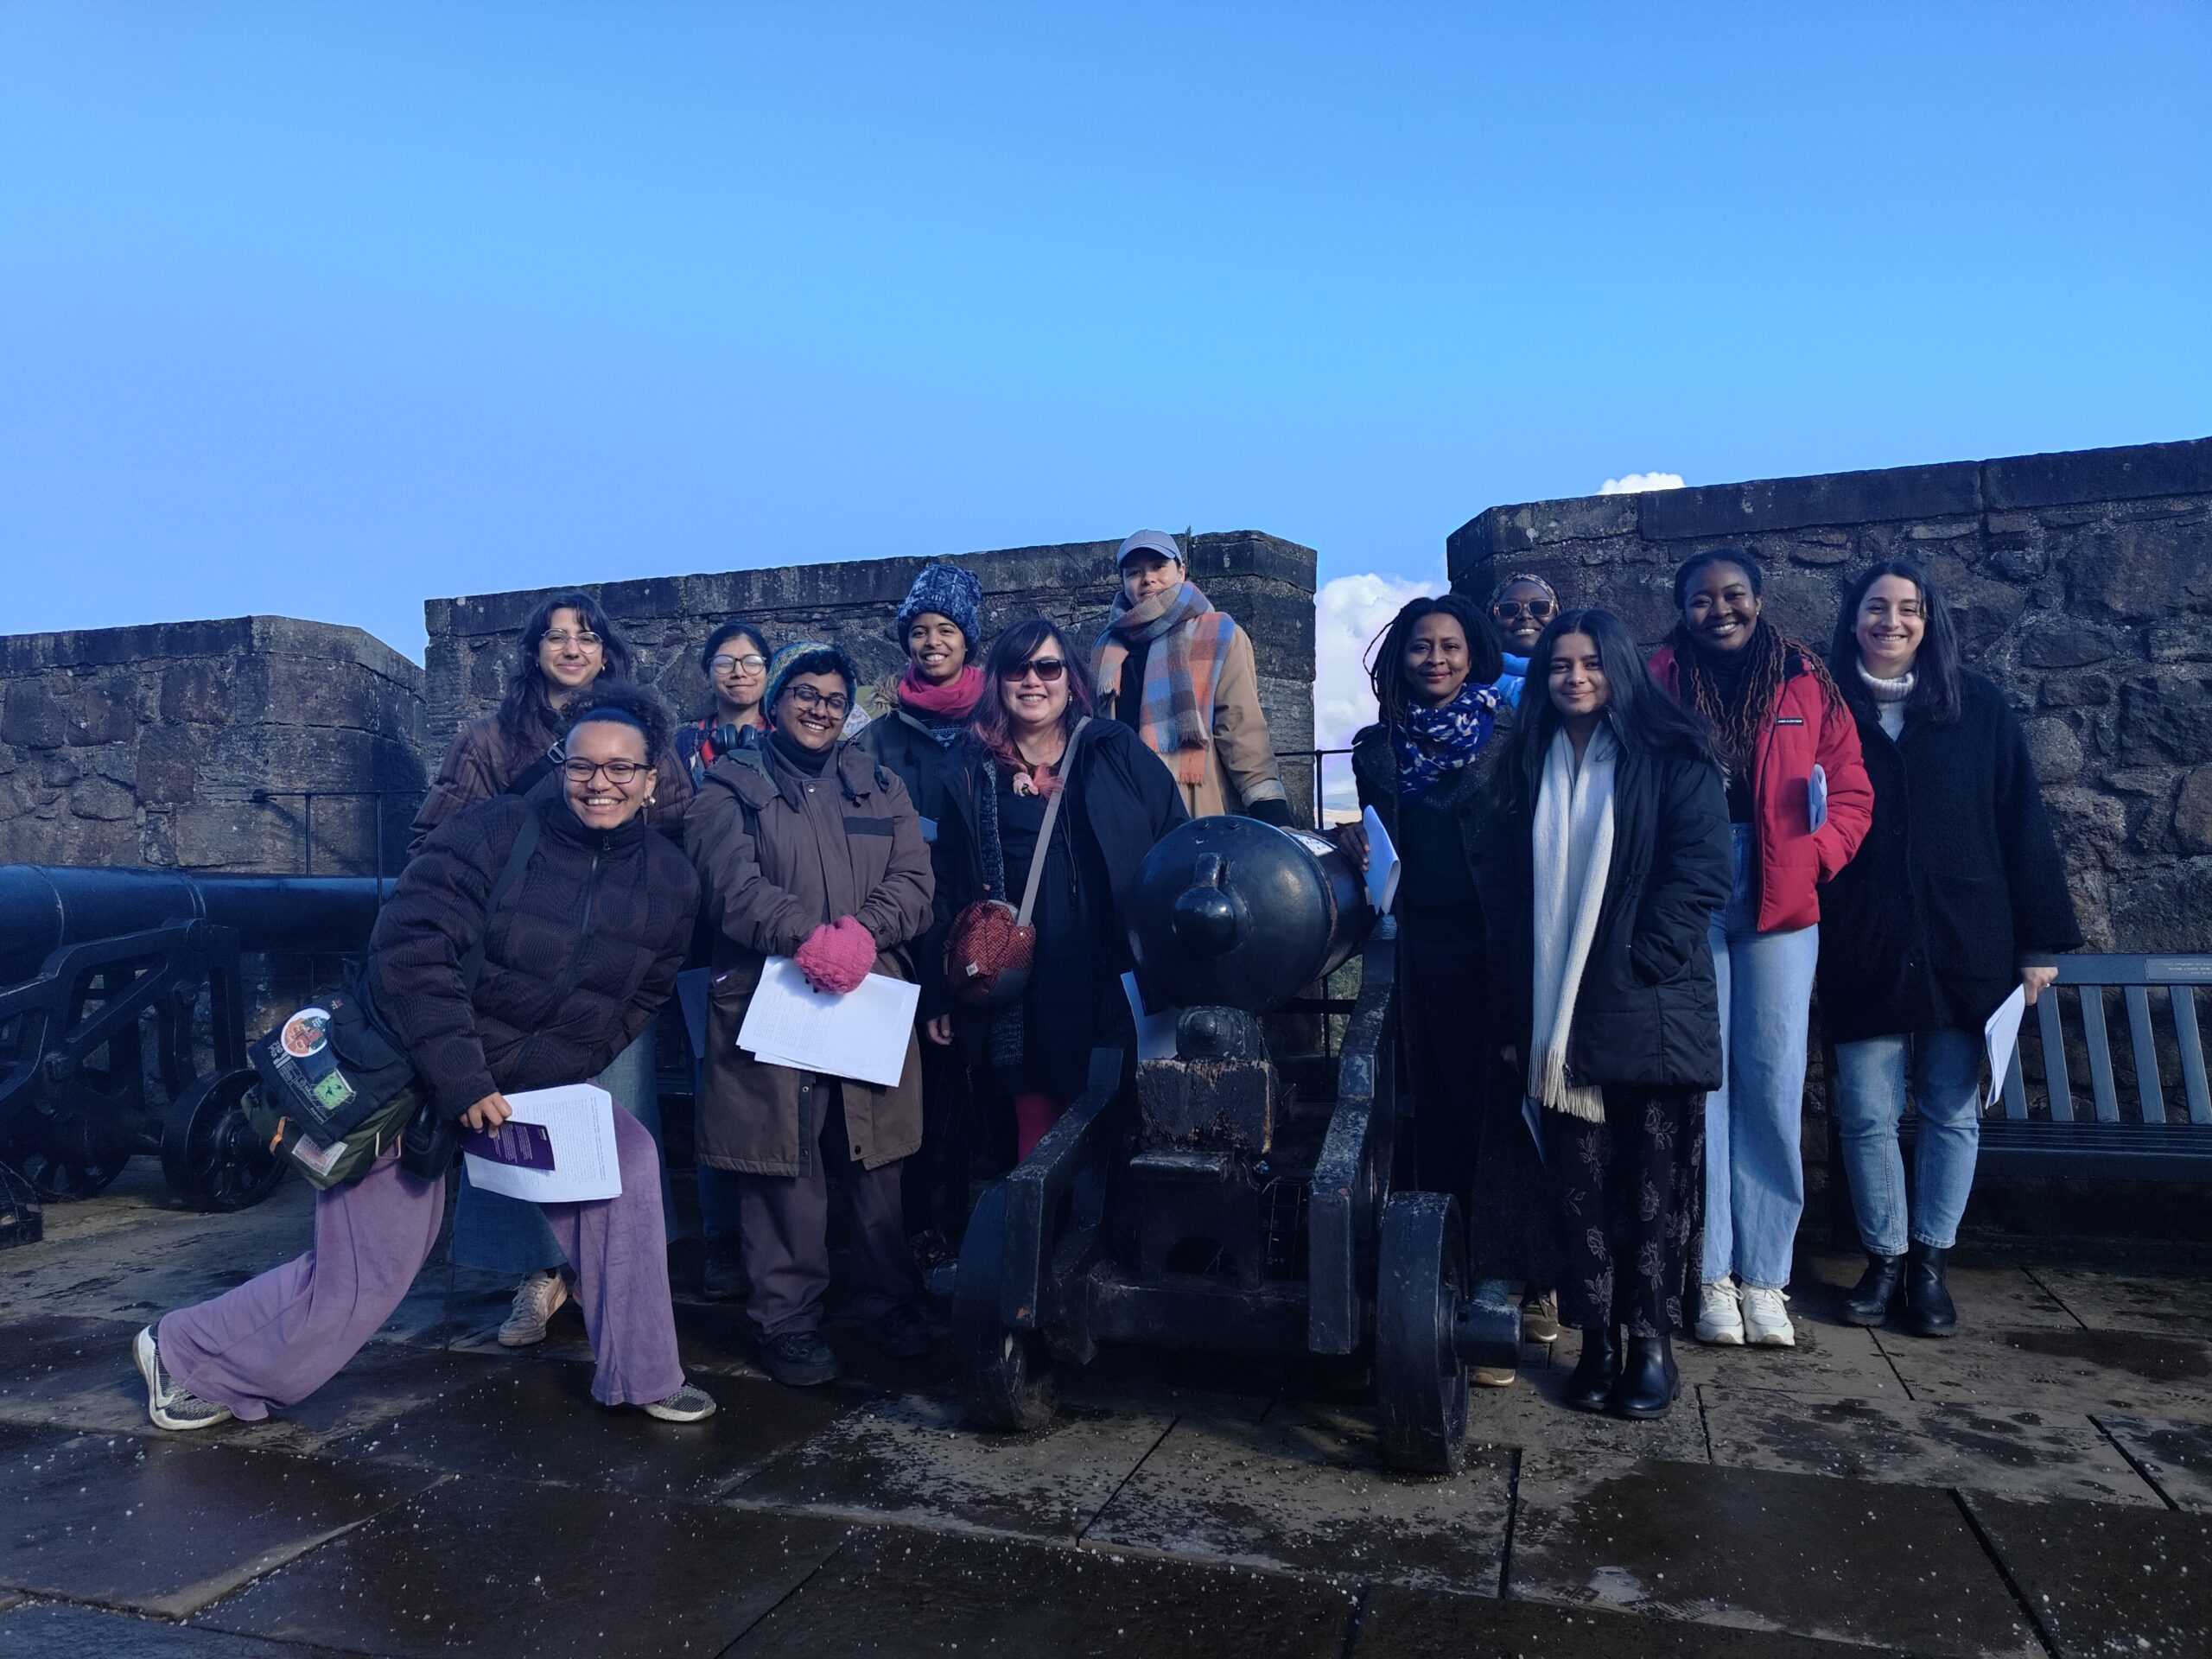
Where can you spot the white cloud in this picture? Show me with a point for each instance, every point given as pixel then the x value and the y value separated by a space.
pixel 1636 481
pixel 1348 614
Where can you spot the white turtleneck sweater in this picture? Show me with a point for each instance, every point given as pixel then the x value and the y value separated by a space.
pixel 1888 698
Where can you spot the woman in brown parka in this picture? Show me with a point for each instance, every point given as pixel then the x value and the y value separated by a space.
pixel 807 848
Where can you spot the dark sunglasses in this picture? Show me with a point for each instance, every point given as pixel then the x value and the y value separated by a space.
pixel 1048 670
pixel 1537 610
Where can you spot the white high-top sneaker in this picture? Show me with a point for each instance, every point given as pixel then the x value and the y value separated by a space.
pixel 1719 1319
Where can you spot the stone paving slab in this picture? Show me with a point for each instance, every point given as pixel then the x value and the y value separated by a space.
pixel 1411 1624
pixel 2104 1580
pixel 2094 1371
pixel 1989 1294
pixel 889 1595
pixel 1308 1491
pixel 58 1631
pixel 538 1422
pixel 1827 1359
pixel 2015 1452
pixel 1531 1417
pixel 503 1567
pixel 165 1528
pixel 2175 1458
pixel 913 1459
pixel 2172 1305
pixel 1848 1560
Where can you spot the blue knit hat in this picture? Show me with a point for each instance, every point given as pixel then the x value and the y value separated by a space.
pixel 951 593
pixel 780 666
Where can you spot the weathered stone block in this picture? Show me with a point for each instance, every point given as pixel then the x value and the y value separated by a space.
pixel 2054 749
pixel 2166 908
pixel 2075 691
pixel 2087 821
pixel 104 712
pixel 1720 511
pixel 2168 718
pixel 2140 571
pixel 2183 468
pixel 2064 642
pixel 103 799
pixel 167 765
pixel 2193 811
pixel 30 718
pixel 198 692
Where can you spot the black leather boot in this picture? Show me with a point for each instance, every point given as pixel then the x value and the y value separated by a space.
pixel 1927 1309
pixel 1868 1301
pixel 1648 1382
pixel 1590 1385
pixel 722 1275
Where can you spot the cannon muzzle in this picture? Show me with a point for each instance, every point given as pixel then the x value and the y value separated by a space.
pixel 45 907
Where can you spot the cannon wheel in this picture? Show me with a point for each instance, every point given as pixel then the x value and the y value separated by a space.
pixel 1005 1375
pixel 210 1156
pixel 65 1177
pixel 1421 1382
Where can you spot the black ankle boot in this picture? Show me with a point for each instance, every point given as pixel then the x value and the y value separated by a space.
pixel 1927 1309
pixel 1590 1385
pixel 1868 1301
pixel 1648 1382
pixel 722 1276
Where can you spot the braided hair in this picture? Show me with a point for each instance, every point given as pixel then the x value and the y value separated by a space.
pixel 1768 657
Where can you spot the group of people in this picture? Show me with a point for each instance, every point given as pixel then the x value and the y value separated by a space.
pixel 1621 879
pixel 805 817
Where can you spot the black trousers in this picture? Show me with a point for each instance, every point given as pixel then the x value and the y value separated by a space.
pixel 1631 1193
pixel 933 1183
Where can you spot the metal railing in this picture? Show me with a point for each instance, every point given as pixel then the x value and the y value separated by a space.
pixel 310 796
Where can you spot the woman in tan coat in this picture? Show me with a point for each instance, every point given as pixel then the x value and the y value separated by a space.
pixel 1181 673
pixel 807 848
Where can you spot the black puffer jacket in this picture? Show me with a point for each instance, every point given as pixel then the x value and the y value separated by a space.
pixel 1470 796
pixel 1647 1012
pixel 579 957
pixel 1958 880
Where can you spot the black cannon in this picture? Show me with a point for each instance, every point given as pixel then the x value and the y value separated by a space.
pixel 1231 1197
pixel 103 973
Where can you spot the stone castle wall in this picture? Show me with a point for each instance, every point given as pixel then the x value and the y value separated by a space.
pixel 1265 583
pixel 2083 587
pixel 149 746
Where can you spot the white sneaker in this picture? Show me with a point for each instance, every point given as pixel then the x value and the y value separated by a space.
pixel 1720 1318
pixel 168 1405
pixel 537 1299
pixel 689 1404
pixel 1766 1320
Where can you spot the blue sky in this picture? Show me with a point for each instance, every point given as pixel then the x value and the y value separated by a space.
pixel 324 308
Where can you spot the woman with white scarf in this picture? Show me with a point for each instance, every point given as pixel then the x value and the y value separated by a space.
pixel 1606 864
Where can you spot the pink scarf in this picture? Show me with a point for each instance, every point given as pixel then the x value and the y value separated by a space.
pixel 955 700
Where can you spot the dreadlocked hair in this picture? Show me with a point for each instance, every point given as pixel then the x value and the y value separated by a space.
pixel 1770 656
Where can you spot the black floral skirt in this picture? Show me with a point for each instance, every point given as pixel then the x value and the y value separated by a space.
pixel 1631 1197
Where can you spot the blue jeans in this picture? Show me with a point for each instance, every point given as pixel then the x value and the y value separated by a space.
pixel 1754 1179
pixel 1870 1091
pixel 504 1234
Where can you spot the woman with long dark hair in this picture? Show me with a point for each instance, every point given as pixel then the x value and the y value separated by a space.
pixel 1600 880
pixel 1119 801
pixel 1798 805
pixel 567 648
pixel 1429 770
pixel 1958 896
pixel 734 659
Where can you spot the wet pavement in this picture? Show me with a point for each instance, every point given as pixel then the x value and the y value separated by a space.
pixel 2041 1485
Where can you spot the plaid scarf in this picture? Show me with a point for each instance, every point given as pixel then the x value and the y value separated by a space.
pixel 1434 742
pixel 1188 639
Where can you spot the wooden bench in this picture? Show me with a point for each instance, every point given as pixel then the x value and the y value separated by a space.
pixel 2076 1120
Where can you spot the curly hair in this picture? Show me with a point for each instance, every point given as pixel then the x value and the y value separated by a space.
pixel 1386 655
pixel 626 703
pixel 1769 655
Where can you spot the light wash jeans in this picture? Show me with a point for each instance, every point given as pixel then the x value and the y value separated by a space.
pixel 1754 1179
pixel 1870 1091
pixel 504 1234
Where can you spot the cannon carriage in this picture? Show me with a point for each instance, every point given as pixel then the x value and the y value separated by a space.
pixel 122 1019
pixel 1237 1197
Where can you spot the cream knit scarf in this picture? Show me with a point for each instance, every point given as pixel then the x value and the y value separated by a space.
pixel 1571 837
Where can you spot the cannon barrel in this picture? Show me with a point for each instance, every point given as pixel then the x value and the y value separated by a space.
pixel 44 906
pixel 1231 913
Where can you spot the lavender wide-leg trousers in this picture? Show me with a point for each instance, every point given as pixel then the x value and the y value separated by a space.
pixel 276 1340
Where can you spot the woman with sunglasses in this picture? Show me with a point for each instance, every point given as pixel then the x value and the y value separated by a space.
pixel 1521 608
pixel 579 955
pixel 807 848
pixel 734 659
pixel 1119 801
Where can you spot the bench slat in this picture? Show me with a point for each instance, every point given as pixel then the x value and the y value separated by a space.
pixel 2100 1042
pixel 2150 1095
pixel 2016 1092
pixel 2054 1060
pixel 2192 1053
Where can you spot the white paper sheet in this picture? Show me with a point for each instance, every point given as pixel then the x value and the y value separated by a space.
pixel 2000 1034
pixel 1381 864
pixel 862 1034
pixel 580 1118
pixel 1155 1031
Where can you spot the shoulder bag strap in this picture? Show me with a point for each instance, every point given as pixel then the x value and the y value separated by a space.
pixel 525 844
pixel 1051 816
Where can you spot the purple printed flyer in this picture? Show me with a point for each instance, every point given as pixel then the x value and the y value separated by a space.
pixel 526 1146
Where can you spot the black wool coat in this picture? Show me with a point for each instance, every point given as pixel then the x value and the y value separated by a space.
pixel 899 742
pixel 1648 1012
pixel 579 957
pixel 1471 795
pixel 1959 878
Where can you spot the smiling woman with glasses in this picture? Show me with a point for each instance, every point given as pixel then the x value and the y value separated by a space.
pixel 734 659
pixel 1033 737
pixel 1521 608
